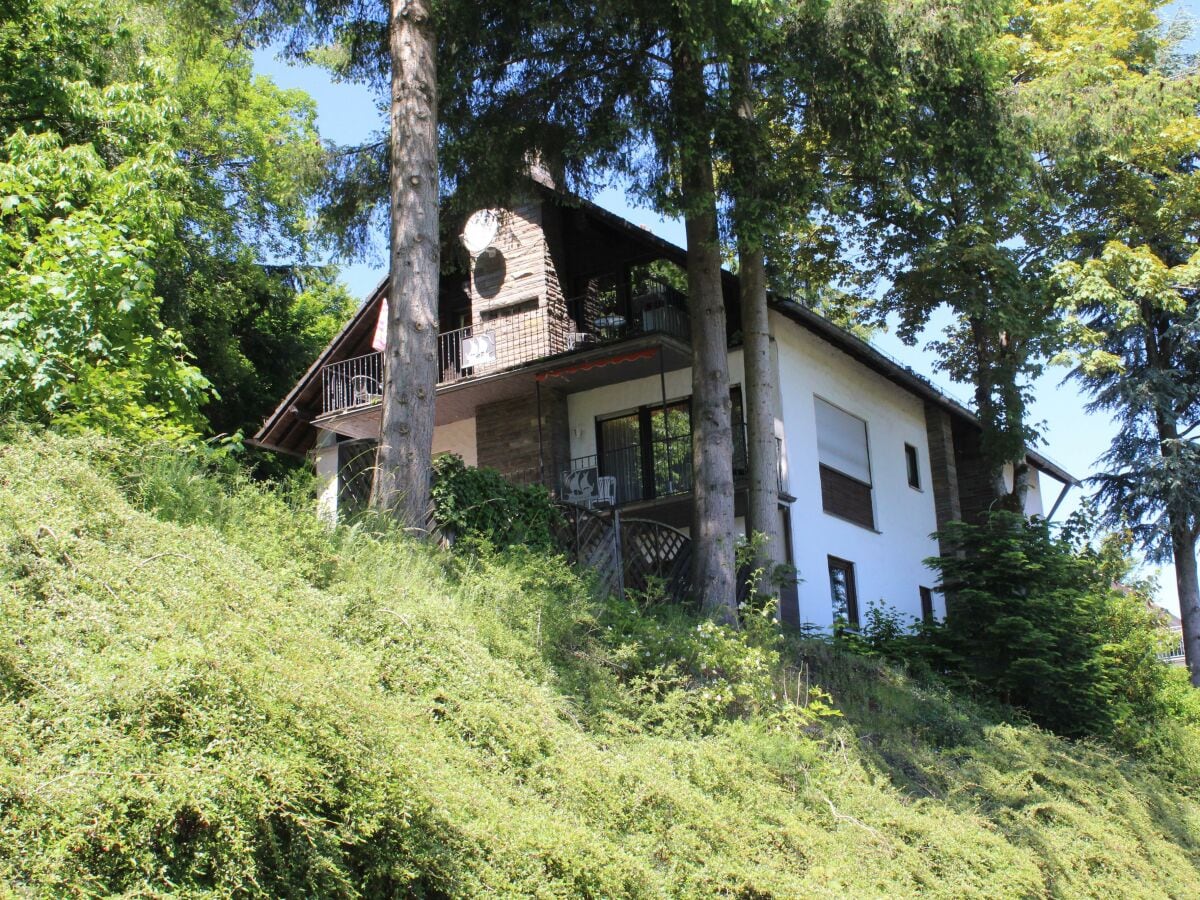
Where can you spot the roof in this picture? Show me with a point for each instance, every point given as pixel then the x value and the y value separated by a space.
pixel 279 430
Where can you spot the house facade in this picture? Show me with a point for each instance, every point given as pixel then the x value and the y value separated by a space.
pixel 565 359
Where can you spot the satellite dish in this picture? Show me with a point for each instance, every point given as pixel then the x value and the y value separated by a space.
pixel 480 230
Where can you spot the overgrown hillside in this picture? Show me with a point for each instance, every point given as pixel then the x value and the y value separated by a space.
pixel 202 692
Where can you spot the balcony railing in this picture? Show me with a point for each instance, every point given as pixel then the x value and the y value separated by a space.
pixel 665 471
pixel 1173 652
pixel 509 338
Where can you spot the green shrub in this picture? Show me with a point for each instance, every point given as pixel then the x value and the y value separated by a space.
pixel 481 504
pixel 1034 619
pixel 205 693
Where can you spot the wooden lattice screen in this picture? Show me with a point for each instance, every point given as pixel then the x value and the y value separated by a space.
pixel 656 556
pixel 356 470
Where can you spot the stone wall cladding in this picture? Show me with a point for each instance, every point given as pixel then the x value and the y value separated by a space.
pixel 506 436
pixel 943 465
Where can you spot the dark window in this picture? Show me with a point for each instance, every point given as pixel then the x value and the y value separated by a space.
pixel 926 605
pixel 620 454
pixel 843 592
pixel 914 470
pixel 649 450
pixel 845 465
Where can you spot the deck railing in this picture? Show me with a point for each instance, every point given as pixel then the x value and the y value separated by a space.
pixel 670 461
pixel 1173 653
pixel 508 338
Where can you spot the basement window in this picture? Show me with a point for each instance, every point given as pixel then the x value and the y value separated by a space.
pixel 845 465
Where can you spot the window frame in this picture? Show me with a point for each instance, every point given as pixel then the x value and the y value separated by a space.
pixel 837 564
pixel 645 414
pixel 927 613
pixel 828 473
pixel 912 466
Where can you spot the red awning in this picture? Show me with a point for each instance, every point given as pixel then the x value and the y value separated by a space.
pixel 597 363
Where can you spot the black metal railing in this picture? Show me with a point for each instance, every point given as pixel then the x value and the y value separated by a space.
pixel 663 469
pixel 352 383
pixel 511 337
pixel 654 308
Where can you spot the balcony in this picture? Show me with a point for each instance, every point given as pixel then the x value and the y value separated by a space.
pixel 652 470
pixel 1172 652
pixel 515 336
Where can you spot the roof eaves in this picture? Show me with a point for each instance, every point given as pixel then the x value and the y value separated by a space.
pixel 261 438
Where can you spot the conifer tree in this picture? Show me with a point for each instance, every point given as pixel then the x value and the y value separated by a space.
pixel 1118 116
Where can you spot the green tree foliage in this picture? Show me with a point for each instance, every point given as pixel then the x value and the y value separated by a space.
pixel 1122 115
pixel 1040 621
pixel 88 195
pixel 147 176
pixel 951 209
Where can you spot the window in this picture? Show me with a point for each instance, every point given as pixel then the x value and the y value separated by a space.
pixel 842 591
pixel 649 450
pixel 914 470
pixel 845 465
pixel 926 605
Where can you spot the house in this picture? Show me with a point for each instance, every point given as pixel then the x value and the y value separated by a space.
pixel 565 359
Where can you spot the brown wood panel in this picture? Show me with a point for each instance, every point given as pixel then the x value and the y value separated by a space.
pixel 846 497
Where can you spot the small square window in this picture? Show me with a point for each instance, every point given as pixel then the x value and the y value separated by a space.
pixel 843 592
pixel 914 469
pixel 926 605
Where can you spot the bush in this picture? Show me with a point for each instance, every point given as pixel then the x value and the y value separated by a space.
pixel 1035 620
pixel 481 504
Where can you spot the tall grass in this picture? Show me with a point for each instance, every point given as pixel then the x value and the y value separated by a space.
pixel 203 692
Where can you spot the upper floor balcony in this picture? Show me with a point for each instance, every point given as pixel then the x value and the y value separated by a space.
pixel 515 336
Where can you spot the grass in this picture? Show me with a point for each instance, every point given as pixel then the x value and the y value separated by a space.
pixel 205 693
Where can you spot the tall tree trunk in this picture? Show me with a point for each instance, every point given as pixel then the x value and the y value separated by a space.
pixel 401 484
pixel 714 576
pixel 762 510
pixel 1159 355
pixel 1183 549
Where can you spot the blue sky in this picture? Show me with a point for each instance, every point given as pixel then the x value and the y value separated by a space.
pixel 347 114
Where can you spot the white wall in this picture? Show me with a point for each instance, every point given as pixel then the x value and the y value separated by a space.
pixel 1034 505
pixel 888 560
pixel 584 407
pixel 457 437
pixel 325 463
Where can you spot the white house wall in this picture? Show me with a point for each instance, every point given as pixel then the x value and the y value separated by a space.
pixel 888 561
pixel 584 407
pixel 457 437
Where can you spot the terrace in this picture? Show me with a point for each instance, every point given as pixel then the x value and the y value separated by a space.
pixel 515 336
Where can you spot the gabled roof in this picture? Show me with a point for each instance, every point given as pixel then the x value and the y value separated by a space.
pixel 289 427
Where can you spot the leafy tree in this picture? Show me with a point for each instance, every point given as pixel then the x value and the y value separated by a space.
pixel 950 200
pixel 88 187
pixel 1033 620
pixel 150 177
pixel 1118 108
pixel 232 278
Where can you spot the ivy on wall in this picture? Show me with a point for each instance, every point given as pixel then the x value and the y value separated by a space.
pixel 481 503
